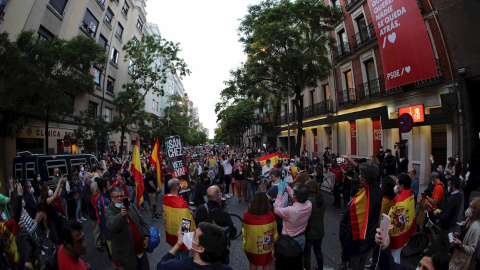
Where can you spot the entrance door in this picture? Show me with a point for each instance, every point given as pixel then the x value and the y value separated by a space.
pixel 439 144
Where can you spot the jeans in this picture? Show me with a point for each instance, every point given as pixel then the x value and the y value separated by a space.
pixel 227 181
pixel 192 192
pixel 251 188
pixel 357 262
pixel 301 240
pixel 317 251
pixel 78 212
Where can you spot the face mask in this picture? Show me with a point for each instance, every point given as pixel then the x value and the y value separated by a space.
pixel 252 164
pixel 456 159
pixel 188 240
pixel 118 205
pixel 468 213
pixel 448 189
pixel 50 192
pixel 39 178
pixel 92 180
pixel 448 162
pixel 23 204
pixel 238 163
pixel 268 164
pixel 82 169
pixel 395 189
pixel 163 163
pixel 468 165
pixel 31 190
pixel 381 149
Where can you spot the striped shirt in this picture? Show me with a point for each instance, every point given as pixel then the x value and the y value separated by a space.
pixel 28 224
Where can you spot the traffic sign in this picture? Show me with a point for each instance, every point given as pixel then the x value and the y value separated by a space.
pixel 405 122
pixel 66 140
pixel 406 136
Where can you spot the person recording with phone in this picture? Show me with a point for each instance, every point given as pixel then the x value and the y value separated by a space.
pixel 129 232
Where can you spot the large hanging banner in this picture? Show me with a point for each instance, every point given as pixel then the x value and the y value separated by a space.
pixel 407 54
pixel 173 144
pixel 377 134
pixel 353 137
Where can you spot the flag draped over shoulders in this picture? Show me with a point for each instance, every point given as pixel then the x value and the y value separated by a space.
pixel 359 209
pixel 156 160
pixel 403 222
pixel 259 233
pixel 136 170
pixel 175 208
pixel 273 159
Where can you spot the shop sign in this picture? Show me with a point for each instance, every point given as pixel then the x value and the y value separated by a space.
pixel 315 140
pixel 377 134
pixel 416 112
pixel 40 132
pixel 405 47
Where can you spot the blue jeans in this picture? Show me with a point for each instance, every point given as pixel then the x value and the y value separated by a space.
pixel 192 192
pixel 251 188
pixel 78 211
pixel 301 240
pixel 317 251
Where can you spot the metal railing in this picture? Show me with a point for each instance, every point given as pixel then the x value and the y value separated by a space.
pixel 346 97
pixel 342 51
pixel 373 88
pixel 366 35
pixel 350 3
pixel 317 109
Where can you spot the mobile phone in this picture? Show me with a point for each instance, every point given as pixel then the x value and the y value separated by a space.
pixel 340 160
pixel 126 202
pixel 450 237
pixel 384 228
pixel 186 225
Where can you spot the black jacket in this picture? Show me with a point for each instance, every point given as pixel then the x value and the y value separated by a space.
pixel 448 217
pixel 215 215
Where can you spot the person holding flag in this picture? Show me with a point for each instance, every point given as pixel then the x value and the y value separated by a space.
pixel 175 208
pixel 156 159
pixel 136 171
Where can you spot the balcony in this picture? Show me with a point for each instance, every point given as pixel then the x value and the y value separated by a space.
pixel 342 51
pixel 365 36
pixel 317 109
pixel 347 97
pixel 371 89
pixel 350 3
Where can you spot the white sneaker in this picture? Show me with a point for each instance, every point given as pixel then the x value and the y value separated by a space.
pixel 79 221
pixel 83 219
pixel 228 196
pixel 43 253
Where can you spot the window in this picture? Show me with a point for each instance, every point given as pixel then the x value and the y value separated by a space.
pixel 110 85
pixel 342 36
pixel 108 114
pixel 131 67
pixel 348 79
pixel 114 56
pixel 140 25
pixel 44 34
pixel 119 32
pixel 71 99
pixel 18 171
pixel 92 108
pixel 336 3
pixel 101 2
pixel 135 40
pixel 153 104
pixel 108 16
pixel 61 164
pixel 58 5
pixel 103 41
pixel 30 170
pixel 96 74
pixel 361 22
pixel 125 9
pixel 157 106
pixel 326 92
pixel 90 23
pixel 312 97
pixel 370 70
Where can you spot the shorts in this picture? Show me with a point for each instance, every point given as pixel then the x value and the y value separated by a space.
pixel 153 198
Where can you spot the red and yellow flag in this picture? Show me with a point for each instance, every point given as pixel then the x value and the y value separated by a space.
pixel 156 160
pixel 174 210
pixel 8 231
pixel 403 222
pixel 273 159
pixel 259 233
pixel 136 170
pixel 359 209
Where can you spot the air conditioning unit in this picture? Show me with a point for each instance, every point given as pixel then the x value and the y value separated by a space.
pixel 92 27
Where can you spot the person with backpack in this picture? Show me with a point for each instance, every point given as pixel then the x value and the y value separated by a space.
pixel 434 202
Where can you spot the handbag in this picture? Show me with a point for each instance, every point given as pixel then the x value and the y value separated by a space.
pixel 459 260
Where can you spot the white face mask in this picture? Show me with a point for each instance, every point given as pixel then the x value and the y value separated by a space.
pixel 448 162
pixel 82 169
pixel 31 190
pixel 456 159
pixel 23 204
pixel 395 189
pixel 188 240
pixel 468 213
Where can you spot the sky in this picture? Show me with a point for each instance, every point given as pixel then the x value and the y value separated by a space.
pixel 207 32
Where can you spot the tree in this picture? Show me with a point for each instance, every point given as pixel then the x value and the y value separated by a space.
pixel 92 131
pixel 176 120
pixel 236 118
pixel 39 78
pixel 287 44
pixel 151 60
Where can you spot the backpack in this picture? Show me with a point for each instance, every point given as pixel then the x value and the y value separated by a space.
pixel 416 244
pixel 229 231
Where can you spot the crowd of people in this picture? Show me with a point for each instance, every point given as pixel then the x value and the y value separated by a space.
pixel 284 221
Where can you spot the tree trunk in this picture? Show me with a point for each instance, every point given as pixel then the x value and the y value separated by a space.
pixel 121 140
pixel 47 120
pixel 299 114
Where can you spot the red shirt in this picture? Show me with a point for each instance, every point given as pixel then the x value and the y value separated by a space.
pixel 137 238
pixel 67 261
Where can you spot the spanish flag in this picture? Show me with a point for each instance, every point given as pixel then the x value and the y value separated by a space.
pixel 359 208
pixel 259 233
pixel 273 159
pixel 403 222
pixel 136 170
pixel 174 210
pixel 156 160
pixel 8 231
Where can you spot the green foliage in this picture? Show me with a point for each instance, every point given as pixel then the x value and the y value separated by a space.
pixel 39 77
pixel 92 132
pixel 235 119
pixel 287 44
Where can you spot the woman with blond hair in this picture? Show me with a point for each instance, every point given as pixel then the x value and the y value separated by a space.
pixel 466 240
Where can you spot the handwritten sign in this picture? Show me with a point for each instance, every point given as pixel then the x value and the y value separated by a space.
pixel 173 144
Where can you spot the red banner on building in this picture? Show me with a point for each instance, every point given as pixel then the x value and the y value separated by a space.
pixel 315 140
pixel 304 135
pixel 353 137
pixel 377 134
pixel 405 47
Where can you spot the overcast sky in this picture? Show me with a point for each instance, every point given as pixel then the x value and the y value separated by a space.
pixel 207 32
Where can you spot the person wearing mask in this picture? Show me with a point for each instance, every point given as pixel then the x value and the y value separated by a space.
pixel 208 245
pixel 389 164
pixel 129 231
pixel 358 241
pixel 31 203
pixel 316 170
pixel 326 157
pixel 194 177
pixel 302 175
pixel 272 195
pixel 315 229
pixel 458 166
pixel 339 172
pixel 227 170
pixel 402 215
pixel 295 217
pixel 167 175
pixel 202 186
pixel 450 168
pixel 415 183
pixel 402 163
pixel 239 176
pixel 381 154
pixel 251 179
pixel 466 241
pixel 153 190
pixel 449 215
pixel 437 194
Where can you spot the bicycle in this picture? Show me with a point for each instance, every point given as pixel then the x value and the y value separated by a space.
pixel 236 219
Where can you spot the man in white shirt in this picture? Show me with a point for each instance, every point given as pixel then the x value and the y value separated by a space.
pixel 227 167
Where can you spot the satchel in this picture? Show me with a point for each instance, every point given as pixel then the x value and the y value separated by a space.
pixel 459 260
